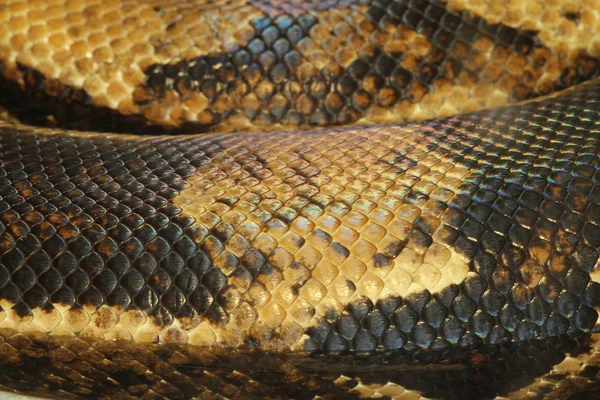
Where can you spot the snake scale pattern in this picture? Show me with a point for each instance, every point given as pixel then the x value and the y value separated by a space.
pixel 445 245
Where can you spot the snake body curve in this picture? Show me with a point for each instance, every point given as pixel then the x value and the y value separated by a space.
pixel 451 258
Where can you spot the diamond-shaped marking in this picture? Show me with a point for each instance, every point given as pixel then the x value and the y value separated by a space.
pixel 313 291
pixel 427 276
pixel 353 269
pixel 370 285
pixel 273 314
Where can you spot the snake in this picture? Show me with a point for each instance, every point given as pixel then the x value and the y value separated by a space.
pixel 300 199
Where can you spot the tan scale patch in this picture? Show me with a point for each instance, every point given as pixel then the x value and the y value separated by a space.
pixel 595 273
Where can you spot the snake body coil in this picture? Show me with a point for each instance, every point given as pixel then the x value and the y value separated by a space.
pixel 452 258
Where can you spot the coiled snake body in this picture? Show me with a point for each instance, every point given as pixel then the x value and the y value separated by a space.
pixel 451 258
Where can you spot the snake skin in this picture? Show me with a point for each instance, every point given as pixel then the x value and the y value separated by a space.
pixel 459 256
pixel 451 258
pixel 153 66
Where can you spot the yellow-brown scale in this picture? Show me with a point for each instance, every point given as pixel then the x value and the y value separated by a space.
pixel 343 247
pixel 456 235
pixel 232 66
pixel 466 247
pixel 333 229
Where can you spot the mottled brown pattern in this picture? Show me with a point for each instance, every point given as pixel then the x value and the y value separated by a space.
pixel 452 237
pixel 453 258
pixel 236 65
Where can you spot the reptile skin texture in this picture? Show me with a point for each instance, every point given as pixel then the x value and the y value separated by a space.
pixel 461 254
pixel 133 66
pixel 452 257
